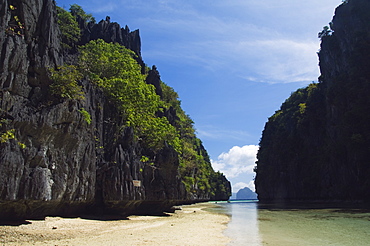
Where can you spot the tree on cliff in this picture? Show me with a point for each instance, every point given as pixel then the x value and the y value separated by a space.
pixel 96 136
pixel 76 10
pixel 68 27
pixel 325 32
pixel 113 68
pixel 157 119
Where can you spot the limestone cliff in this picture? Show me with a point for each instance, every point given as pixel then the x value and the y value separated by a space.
pixel 316 146
pixel 52 161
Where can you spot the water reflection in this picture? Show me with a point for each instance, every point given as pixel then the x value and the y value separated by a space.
pixel 243 226
pixel 313 224
pixel 297 224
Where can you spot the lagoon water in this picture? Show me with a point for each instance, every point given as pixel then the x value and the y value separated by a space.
pixel 313 225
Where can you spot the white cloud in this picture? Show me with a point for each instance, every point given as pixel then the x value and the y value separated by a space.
pixel 236 161
pixel 272 60
pixel 280 60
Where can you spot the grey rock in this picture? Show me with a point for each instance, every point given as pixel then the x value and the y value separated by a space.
pixel 70 167
pixel 323 155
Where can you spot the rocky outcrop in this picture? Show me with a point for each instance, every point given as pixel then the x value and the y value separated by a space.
pixel 154 78
pixel 56 148
pixel 111 32
pixel 316 146
pixel 56 162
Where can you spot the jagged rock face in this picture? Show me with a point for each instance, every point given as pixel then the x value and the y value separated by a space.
pixel 56 165
pixel 154 78
pixel 27 48
pixel 68 165
pixel 111 32
pixel 316 146
pixel 342 52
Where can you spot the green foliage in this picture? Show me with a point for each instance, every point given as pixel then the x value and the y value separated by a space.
pixel 320 133
pixel 86 115
pixel 184 123
pixel 195 167
pixel 15 25
pixel 68 27
pixel 144 159
pixel 302 108
pixel 325 32
pixel 22 145
pixel 8 134
pixel 219 185
pixel 311 88
pixel 113 68
pixel 65 82
pixel 104 61
pixel 76 10
pixel 276 115
pixel 170 97
pixel 189 183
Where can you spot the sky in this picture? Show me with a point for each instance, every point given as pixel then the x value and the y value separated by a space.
pixel 232 62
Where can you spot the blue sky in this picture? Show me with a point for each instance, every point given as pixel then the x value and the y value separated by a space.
pixel 233 62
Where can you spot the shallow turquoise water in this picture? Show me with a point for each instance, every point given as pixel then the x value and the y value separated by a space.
pixel 255 224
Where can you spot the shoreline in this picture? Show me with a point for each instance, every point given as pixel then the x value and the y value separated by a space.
pixel 192 225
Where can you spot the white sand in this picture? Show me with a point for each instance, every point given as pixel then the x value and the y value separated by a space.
pixel 190 226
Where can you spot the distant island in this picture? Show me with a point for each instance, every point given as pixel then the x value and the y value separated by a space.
pixel 244 194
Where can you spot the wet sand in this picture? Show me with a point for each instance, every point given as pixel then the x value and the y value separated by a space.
pixel 190 226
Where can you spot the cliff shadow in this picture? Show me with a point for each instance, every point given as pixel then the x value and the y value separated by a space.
pixel 14 223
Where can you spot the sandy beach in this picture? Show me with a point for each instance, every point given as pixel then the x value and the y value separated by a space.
pixel 191 225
